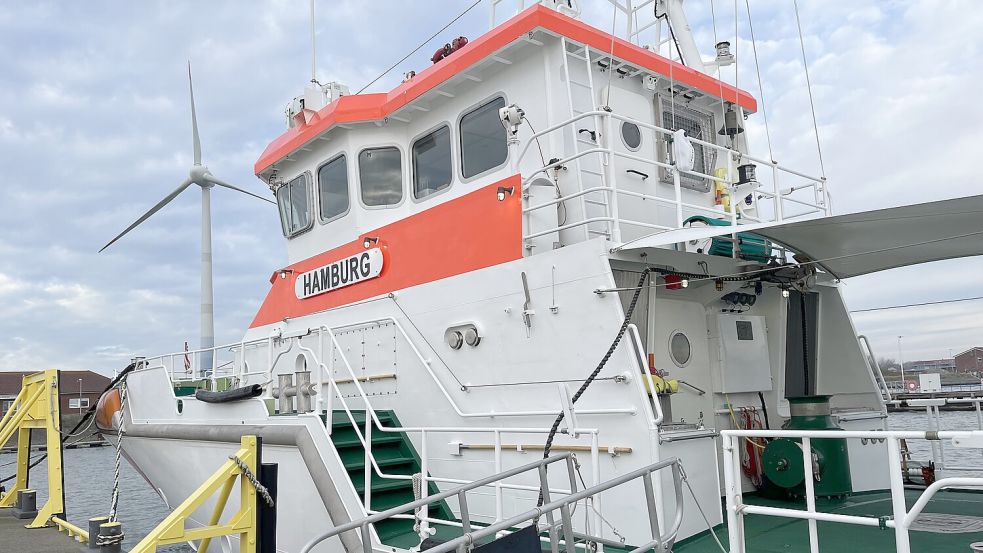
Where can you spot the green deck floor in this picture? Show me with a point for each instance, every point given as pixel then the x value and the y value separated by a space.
pixel 766 534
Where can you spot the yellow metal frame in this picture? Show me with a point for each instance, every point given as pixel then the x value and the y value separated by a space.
pixel 36 407
pixel 243 522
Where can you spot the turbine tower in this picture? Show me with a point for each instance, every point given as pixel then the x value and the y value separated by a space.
pixel 200 175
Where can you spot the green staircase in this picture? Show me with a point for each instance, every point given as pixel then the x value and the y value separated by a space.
pixel 394 454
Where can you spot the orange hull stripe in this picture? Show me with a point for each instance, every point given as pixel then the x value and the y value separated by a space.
pixel 374 107
pixel 465 234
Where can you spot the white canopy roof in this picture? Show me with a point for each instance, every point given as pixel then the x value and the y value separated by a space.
pixel 866 242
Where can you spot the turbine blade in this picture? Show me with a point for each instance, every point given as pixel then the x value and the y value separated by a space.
pixel 152 210
pixel 210 178
pixel 194 119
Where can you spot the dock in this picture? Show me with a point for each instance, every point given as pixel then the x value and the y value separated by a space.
pixel 900 400
pixel 14 538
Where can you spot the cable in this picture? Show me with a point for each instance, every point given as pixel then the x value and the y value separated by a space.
pixel 761 90
pixel 417 49
pixel 886 307
pixel 583 387
pixel 812 105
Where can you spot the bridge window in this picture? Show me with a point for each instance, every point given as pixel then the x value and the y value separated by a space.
pixel 294 201
pixel 332 188
pixel 432 163
pixel 484 145
pixel 380 174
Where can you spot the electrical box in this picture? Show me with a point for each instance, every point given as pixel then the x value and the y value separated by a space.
pixel 930 382
pixel 745 364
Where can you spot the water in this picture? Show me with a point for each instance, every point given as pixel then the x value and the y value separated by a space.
pixel 89 486
pixel 89 478
pixel 951 420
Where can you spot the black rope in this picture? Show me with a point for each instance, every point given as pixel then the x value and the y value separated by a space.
pixel 604 360
pixel 85 417
pixel 764 409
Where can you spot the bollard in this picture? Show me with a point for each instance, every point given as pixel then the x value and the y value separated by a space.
pixel 94 524
pixel 27 504
pixel 107 532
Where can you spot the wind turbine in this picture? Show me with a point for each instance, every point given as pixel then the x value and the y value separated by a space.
pixel 200 175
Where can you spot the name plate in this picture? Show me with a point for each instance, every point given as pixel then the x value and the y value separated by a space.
pixel 339 274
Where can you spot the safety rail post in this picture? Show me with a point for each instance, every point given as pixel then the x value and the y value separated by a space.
pixel 611 179
pixel 810 486
pixel 243 466
pixel 897 495
pixel 36 407
pixel 424 487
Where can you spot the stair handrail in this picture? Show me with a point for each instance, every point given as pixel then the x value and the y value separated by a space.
pixel 548 509
pixel 872 366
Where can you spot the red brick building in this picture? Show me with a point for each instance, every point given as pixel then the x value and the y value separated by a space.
pixel 78 390
pixel 970 361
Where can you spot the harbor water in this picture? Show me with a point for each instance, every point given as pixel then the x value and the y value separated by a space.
pixel 89 477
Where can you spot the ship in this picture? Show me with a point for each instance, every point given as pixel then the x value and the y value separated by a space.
pixel 541 296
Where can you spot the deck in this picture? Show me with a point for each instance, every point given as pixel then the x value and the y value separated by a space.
pixel 960 525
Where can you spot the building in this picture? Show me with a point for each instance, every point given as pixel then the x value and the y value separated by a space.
pixel 970 361
pixel 931 365
pixel 78 390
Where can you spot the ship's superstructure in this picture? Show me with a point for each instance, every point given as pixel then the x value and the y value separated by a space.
pixel 464 249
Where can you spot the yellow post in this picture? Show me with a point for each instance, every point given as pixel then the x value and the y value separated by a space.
pixel 243 522
pixel 36 408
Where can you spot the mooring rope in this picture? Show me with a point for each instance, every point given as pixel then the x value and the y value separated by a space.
pixel 119 452
pixel 248 474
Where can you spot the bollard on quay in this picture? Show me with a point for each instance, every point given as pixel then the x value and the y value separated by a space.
pixel 111 530
pixel 27 504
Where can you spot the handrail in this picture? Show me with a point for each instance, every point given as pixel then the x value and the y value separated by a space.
pixel 873 366
pixel 902 517
pixel 471 536
pixel 777 196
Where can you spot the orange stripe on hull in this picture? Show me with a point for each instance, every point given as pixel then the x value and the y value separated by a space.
pixel 462 235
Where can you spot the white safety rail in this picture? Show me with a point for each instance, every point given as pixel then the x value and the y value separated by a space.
pixel 788 194
pixel 901 519
pixel 933 409
pixel 320 344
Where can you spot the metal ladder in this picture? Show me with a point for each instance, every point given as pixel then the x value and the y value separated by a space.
pixel 588 171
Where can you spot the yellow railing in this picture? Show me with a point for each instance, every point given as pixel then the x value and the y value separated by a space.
pixel 36 408
pixel 242 523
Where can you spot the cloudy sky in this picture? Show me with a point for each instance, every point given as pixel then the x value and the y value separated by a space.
pixel 94 129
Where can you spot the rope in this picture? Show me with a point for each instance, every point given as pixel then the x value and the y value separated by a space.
pixel 417 49
pixel 417 494
pixel 597 370
pixel 119 452
pixel 812 105
pixel 248 474
pixel 114 539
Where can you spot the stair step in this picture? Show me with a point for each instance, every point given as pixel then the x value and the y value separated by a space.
pixel 384 485
pixel 357 465
pixel 341 418
pixel 376 441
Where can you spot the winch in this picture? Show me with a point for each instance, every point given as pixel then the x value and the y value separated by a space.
pixel 783 459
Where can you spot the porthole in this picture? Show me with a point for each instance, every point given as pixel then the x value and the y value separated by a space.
pixel 679 349
pixel 631 135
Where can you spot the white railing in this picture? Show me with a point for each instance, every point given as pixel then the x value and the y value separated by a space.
pixel 780 198
pixel 330 397
pixel 902 518
pixel 934 412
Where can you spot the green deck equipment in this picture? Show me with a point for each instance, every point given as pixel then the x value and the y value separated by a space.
pixel 750 246
pixel 782 458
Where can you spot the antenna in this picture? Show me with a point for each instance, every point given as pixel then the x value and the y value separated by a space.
pixel 313 48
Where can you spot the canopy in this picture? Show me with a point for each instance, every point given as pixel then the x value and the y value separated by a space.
pixel 866 242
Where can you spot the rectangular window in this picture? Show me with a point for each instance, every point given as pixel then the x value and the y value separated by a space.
pixel 697 125
pixel 332 188
pixel 380 175
pixel 294 201
pixel 484 144
pixel 432 163
pixel 78 403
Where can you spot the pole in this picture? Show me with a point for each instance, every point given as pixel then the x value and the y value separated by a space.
pixel 904 386
pixel 207 305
